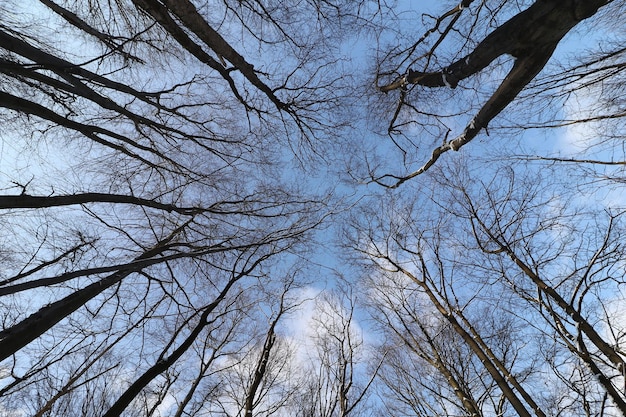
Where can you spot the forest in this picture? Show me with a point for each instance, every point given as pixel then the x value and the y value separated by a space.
pixel 312 208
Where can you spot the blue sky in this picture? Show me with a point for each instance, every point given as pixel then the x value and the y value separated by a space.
pixel 341 169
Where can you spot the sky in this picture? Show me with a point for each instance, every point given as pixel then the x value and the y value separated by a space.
pixel 18 163
pixel 565 142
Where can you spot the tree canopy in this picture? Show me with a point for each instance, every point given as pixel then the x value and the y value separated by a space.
pixel 243 208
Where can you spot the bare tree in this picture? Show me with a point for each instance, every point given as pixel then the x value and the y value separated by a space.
pixel 337 382
pixel 530 37
pixel 152 193
pixel 150 206
pixel 261 379
pixel 509 273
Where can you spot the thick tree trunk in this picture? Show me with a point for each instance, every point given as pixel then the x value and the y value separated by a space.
pixel 534 32
pixel 19 335
pixel 530 36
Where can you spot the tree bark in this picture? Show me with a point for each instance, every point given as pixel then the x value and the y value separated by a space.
pixel 19 335
pixel 530 36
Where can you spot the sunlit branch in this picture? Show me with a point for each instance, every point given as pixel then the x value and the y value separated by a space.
pixel 530 36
